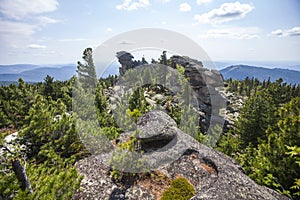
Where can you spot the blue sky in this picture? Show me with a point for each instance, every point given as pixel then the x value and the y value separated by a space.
pixel 54 32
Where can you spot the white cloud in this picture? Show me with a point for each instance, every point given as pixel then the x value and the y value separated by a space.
pixel 278 32
pixel 36 46
pixel 47 20
pixel 72 40
pixel 18 9
pixel 109 29
pixel 129 5
pixel 289 32
pixel 17 28
pixel 233 33
pixel 294 31
pixel 22 18
pixel 185 7
pixel 226 12
pixel 203 1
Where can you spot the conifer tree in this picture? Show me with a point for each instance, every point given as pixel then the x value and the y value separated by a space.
pixel 256 115
pixel 86 71
pixel 48 89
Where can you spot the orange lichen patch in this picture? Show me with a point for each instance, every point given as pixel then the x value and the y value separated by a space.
pixel 208 168
pixel 193 156
pixel 157 182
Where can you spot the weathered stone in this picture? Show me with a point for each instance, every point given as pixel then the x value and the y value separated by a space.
pixel 126 61
pixel 205 84
pixel 213 174
pixel 156 126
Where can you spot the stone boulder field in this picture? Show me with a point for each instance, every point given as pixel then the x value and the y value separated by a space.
pixel 212 174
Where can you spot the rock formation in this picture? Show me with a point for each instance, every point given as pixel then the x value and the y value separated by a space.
pixel 213 174
pixel 206 85
pixel 125 59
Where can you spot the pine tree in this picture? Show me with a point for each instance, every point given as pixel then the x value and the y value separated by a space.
pixel 87 72
pixel 48 88
pixel 256 115
pixel 269 164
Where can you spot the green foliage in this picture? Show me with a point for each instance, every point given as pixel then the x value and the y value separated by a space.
pixel 15 102
pixel 179 189
pixel 138 101
pixel 41 113
pixel 135 114
pixel 53 179
pixel 87 72
pixel 110 81
pixel 295 153
pixel 103 117
pixel 93 122
pixel 127 157
pixel 229 144
pixel 267 128
pixel 248 87
pixel 268 163
pixel 186 114
pixel 51 125
pixel 256 115
pixel 48 88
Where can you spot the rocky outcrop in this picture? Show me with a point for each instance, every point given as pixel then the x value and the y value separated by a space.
pixel 235 103
pixel 206 84
pixel 213 174
pixel 125 59
pixel 127 62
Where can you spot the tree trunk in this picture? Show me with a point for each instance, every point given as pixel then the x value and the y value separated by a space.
pixel 21 175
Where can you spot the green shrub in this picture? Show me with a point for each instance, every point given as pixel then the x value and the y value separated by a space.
pixel 180 189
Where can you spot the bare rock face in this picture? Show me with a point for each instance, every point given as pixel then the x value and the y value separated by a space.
pixel 125 60
pixel 213 174
pixel 206 84
pixel 154 126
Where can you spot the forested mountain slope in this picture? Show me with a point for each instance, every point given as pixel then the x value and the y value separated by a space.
pixel 240 72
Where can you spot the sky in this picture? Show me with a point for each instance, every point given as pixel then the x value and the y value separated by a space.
pixel 57 32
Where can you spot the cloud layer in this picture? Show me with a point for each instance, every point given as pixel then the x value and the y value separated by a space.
pixel 129 5
pixel 21 19
pixel 199 2
pixel 16 28
pixel 16 9
pixel 226 12
pixel 185 7
pixel 36 46
pixel 289 32
pixel 232 33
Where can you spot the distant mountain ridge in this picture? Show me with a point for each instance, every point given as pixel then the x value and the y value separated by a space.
pixel 242 71
pixel 36 73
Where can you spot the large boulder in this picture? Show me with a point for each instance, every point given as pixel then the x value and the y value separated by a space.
pixel 213 174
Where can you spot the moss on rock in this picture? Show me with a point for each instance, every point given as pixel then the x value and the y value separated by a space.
pixel 179 189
